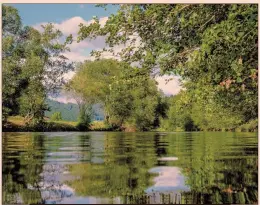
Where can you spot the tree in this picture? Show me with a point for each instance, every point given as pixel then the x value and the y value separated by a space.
pixel 92 78
pixel 126 96
pixel 33 66
pixel 11 28
pixel 119 103
pixel 145 104
pixel 91 83
pixel 56 116
pixel 207 45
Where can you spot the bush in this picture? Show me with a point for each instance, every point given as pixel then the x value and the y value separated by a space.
pixel 100 126
pixel 56 116
pixel 84 119
pixel 251 126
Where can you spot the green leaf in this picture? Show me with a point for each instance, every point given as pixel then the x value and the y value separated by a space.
pixel 239 80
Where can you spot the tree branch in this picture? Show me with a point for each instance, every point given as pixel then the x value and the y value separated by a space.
pixel 206 22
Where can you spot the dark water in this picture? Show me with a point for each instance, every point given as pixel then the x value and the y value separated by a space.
pixel 100 167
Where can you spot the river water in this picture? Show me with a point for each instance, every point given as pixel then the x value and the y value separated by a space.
pixel 130 168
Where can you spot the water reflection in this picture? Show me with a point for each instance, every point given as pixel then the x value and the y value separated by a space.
pixel 99 167
pixel 169 179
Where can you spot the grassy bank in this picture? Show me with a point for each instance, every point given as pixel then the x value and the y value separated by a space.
pixel 17 124
pixel 251 126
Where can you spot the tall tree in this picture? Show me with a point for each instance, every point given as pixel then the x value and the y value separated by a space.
pixel 91 82
pixel 208 45
pixel 33 66
pixel 126 96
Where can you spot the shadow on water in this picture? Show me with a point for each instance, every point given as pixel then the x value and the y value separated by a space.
pixel 130 168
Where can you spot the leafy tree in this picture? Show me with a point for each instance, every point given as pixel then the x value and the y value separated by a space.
pixel 93 77
pixel 126 96
pixel 119 104
pixel 208 45
pixel 145 104
pixel 56 116
pixel 85 116
pixel 11 24
pixel 90 85
pixel 32 103
pixel 33 66
pixel 161 109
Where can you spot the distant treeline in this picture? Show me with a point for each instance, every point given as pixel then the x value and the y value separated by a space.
pixel 70 111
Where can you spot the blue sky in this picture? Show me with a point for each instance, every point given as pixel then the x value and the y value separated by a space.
pixel 66 18
pixel 32 14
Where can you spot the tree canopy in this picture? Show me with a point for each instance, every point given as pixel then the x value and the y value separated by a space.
pixel 33 66
pixel 126 98
pixel 212 47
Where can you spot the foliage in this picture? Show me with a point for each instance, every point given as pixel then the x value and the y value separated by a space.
pixel 17 124
pixel 32 103
pixel 85 116
pixel 119 104
pixel 92 79
pixel 190 113
pixel 100 126
pixel 70 111
pixel 56 116
pixel 125 96
pixel 90 86
pixel 212 47
pixel 33 66
pixel 251 126
pixel 145 104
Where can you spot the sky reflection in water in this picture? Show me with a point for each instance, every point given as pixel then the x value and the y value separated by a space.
pixel 99 167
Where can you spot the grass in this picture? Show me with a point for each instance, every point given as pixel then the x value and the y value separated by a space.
pixel 251 126
pixel 17 120
pixel 16 123
pixel 100 126
pixel 65 123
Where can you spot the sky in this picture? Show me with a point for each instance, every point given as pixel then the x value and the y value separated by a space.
pixel 67 17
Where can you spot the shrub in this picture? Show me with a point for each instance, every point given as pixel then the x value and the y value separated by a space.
pixel 56 116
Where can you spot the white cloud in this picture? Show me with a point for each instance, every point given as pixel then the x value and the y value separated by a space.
pixel 80 51
pixel 71 26
pixel 77 56
pixel 63 99
pixel 68 26
pixel 171 87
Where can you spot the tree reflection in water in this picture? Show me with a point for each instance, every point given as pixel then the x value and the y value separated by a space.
pixel 130 168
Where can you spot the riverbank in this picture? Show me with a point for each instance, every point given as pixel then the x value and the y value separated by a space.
pixel 16 124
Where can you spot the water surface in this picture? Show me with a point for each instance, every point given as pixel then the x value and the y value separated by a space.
pixel 130 168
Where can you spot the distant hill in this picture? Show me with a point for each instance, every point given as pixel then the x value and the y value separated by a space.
pixel 69 111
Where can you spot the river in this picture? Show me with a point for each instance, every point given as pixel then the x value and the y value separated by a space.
pixel 130 168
